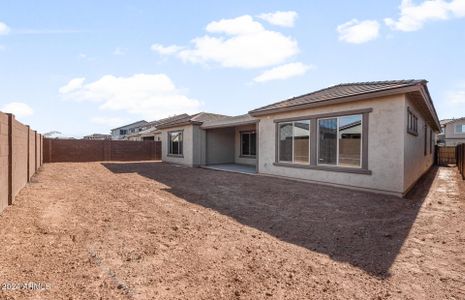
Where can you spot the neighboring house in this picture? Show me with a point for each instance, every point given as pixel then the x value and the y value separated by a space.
pixel 120 133
pixel 97 137
pixel 150 132
pixel 452 132
pixel 376 136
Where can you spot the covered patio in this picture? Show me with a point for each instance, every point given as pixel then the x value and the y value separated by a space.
pixel 231 144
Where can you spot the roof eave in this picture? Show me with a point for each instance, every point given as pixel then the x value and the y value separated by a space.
pixel 179 124
pixel 233 124
pixel 364 96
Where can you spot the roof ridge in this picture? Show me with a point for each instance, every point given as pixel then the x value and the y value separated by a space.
pixel 386 82
pixel 400 81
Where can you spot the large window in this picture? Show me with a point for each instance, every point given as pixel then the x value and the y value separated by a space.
pixel 460 128
pixel 412 123
pixel 340 141
pixel 248 143
pixel 175 143
pixel 294 142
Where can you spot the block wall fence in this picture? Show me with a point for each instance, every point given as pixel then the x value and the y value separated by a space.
pixel 21 156
pixel 67 150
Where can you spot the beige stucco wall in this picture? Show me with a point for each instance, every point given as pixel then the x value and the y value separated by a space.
pixel 220 145
pixel 385 147
pixel 188 155
pixel 237 148
pixel 199 146
pixel 452 138
pixel 416 162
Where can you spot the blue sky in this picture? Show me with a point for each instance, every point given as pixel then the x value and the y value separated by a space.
pixel 87 66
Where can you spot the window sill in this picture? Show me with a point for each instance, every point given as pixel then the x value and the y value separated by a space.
pixel 325 168
pixel 248 156
pixel 412 132
pixel 175 155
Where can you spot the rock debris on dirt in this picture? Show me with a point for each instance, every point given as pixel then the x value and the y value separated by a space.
pixel 151 230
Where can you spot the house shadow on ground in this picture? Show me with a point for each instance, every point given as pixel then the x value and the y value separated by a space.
pixel 363 229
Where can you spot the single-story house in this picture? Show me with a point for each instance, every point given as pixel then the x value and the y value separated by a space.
pixel 376 136
pixel 452 132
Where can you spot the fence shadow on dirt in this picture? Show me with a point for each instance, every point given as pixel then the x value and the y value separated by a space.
pixel 363 229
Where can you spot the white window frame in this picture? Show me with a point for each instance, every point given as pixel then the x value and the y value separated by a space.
pixel 292 144
pixel 455 129
pixel 181 143
pixel 337 142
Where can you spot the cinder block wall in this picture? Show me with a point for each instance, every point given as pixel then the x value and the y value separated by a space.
pixel 20 157
pixel 61 150
pixel 3 161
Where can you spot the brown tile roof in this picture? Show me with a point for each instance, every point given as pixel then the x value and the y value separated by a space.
pixel 198 118
pixel 339 91
pixel 230 121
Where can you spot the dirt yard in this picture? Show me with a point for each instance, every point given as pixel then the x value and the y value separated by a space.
pixel 158 231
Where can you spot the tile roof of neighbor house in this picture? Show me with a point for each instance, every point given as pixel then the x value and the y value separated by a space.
pixel 447 121
pixel 153 125
pixel 135 123
pixel 198 119
pixel 339 91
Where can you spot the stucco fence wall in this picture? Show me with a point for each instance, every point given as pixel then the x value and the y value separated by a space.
pixel 20 157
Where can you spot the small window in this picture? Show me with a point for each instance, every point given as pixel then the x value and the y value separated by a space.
pixel 175 143
pixel 123 132
pixel 426 139
pixel 412 123
pixel 248 143
pixel 460 128
pixel 294 142
pixel 340 141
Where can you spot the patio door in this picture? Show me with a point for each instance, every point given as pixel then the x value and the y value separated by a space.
pixel 248 143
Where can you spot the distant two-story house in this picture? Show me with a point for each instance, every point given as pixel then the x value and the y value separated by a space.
pixel 120 133
pixel 97 137
pixel 452 132
pixel 150 131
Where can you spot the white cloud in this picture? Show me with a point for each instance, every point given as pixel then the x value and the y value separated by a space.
pixel 414 16
pixel 109 121
pixel 19 109
pixel 151 96
pixel 237 26
pixel 4 29
pixel 72 85
pixel 283 72
pixel 165 50
pixel 358 32
pixel 280 18
pixel 119 51
pixel 243 43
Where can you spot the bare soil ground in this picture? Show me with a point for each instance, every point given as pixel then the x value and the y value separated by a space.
pixel 158 231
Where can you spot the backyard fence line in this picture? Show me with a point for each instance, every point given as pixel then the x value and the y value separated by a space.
pixel 460 153
pixel 20 157
pixel 445 155
pixel 69 150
